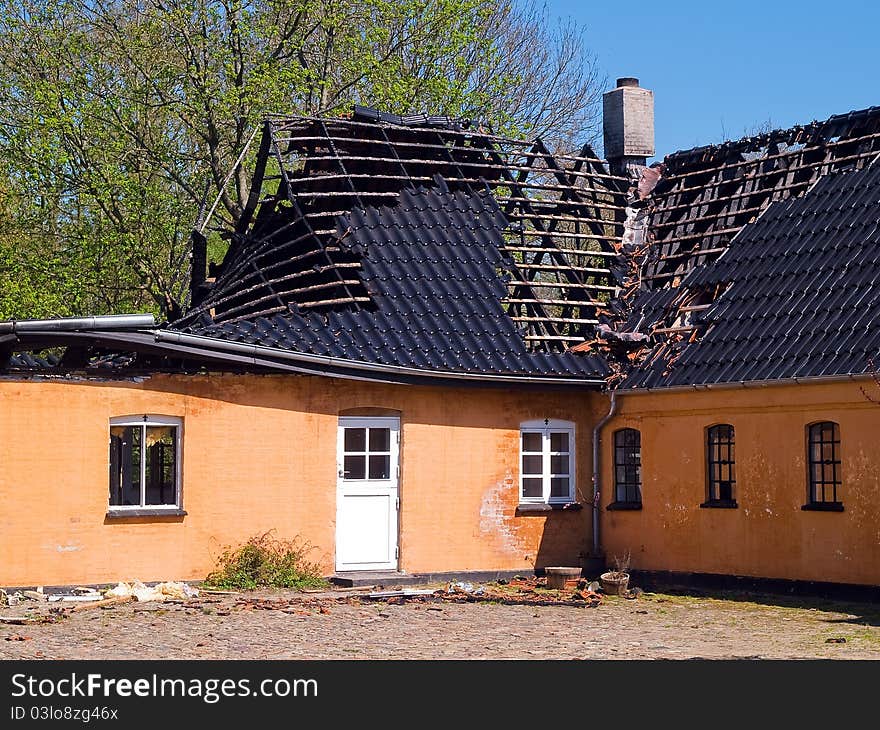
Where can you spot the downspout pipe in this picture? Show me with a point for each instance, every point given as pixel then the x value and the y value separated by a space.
pixel 597 438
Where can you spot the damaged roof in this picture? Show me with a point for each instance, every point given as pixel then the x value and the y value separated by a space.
pixel 798 294
pixel 674 323
pixel 400 248
pixel 419 242
pixel 430 266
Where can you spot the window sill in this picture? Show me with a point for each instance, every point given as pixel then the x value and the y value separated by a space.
pixel 121 514
pixel 719 504
pixel 624 506
pixel 823 507
pixel 543 507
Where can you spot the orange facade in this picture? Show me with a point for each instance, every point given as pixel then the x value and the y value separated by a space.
pixel 768 534
pixel 259 453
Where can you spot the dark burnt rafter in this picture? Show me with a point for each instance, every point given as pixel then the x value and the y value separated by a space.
pixel 566 212
pixel 558 284
pixel 708 194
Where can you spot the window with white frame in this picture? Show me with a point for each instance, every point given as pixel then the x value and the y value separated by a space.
pixel 547 461
pixel 145 462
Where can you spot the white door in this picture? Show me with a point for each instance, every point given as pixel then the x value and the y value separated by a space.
pixel 366 493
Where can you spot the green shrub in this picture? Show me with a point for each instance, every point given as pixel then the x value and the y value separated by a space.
pixel 266 561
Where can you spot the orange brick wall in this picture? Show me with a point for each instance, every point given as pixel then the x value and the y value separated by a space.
pixel 260 454
pixel 768 535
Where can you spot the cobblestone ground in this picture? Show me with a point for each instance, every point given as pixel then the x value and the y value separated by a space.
pixel 340 624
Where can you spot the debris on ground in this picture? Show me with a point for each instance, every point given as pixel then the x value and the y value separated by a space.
pixel 406 593
pixel 179 596
pixel 76 597
pixel 26 620
pixel 468 588
pixel 159 592
pixel 519 590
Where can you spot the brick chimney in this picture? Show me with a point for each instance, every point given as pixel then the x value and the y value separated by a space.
pixel 628 122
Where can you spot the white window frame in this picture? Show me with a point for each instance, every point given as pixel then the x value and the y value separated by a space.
pixel 144 420
pixel 545 427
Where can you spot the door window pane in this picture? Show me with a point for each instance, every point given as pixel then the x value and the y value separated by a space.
pixel 380 439
pixel 380 466
pixel 355 467
pixel 355 439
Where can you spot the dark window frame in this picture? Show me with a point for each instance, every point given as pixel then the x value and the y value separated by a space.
pixel 824 477
pixel 627 449
pixel 720 466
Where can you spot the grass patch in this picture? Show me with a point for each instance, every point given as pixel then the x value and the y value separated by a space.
pixel 266 561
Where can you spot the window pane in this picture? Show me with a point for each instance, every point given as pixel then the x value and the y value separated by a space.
pixel 355 439
pixel 559 487
pixel 533 487
pixel 533 465
pixel 559 464
pixel 160 466
pixel 355 467
pixel 125 466
pixel 531 441
pixel 559 441
pixel 380 439
pixel 380 466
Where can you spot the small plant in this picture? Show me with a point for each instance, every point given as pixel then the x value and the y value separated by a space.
pixel 266 561
pixel 616 582
pixel 621 566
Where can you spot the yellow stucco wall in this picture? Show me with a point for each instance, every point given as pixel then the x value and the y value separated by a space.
pixel 259 453
pixel 768 535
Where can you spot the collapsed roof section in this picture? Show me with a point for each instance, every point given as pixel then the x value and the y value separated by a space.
pixel 431 261
pixel 562 214
pixel 683 216
pixel 706 195
pixel 796 295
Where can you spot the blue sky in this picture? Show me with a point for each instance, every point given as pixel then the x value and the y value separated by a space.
pixel 720 70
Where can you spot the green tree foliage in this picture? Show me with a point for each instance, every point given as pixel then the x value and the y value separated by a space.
pixel 122 119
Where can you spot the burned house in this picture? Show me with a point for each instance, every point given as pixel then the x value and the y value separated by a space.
pixel 433 350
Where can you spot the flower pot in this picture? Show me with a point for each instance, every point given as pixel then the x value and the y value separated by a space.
pixel 614 584
pixel 556 576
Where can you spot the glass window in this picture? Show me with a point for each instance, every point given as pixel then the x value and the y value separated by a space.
pixel 720 465
pixel 628 466
pixel 547 461
pixel 823 455
pixel 366 453
pixel 145 462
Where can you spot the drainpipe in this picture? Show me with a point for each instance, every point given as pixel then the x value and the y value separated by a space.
pixel 596 490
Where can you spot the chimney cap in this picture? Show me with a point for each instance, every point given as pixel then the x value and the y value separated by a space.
pixel 627 81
